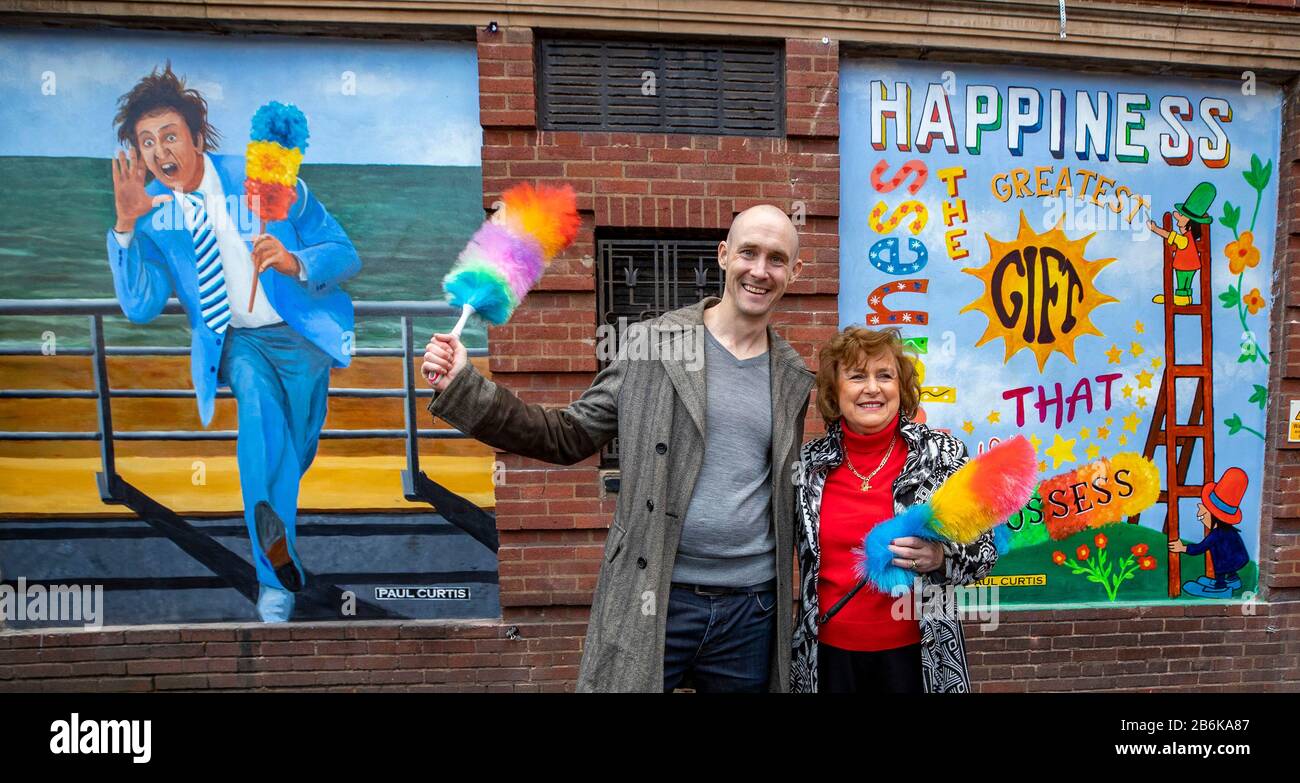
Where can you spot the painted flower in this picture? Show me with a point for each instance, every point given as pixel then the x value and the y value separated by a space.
pixel 1139 549
pixel 1099 540
pixel 1242 253
pixel 1058 557
pixel 1081 553
pixel 1147 563
pixel 1253 301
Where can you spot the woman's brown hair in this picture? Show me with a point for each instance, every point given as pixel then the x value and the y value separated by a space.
pixel 855 347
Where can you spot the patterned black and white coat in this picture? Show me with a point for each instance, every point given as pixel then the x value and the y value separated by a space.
pixel 931 458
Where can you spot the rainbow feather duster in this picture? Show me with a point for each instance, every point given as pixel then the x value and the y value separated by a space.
pixel 277 142
pixel 981 495
pixel 506 257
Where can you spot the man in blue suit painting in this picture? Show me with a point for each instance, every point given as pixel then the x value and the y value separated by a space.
pixel 184 229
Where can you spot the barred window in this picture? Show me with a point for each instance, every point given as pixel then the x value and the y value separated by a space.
pixel 640 276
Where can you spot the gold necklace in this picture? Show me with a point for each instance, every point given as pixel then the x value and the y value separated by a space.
pixel 866 480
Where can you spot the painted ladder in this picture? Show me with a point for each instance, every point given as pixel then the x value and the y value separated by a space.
pixel 1179 439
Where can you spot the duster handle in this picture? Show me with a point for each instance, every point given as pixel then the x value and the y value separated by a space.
pixel 465 312
pixel 840 603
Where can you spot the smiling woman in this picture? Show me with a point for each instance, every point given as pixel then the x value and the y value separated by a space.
pixel 872 464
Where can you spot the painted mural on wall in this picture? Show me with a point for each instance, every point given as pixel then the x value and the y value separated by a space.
pixel 266 184
pixel 1086 260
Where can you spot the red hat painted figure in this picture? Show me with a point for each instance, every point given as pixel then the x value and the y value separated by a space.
pixel 1223 498
pixel 1220 513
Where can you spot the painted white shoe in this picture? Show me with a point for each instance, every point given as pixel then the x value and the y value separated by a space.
pixel 273 604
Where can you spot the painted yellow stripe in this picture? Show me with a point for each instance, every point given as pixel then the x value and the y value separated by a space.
pixel 210 485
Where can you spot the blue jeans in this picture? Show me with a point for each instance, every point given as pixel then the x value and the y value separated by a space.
pixel 722 643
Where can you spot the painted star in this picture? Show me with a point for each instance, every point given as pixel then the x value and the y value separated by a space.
pixel 1128 390
pixel 1035 441
pixel 1113 355
pixel 1061 450
pixel 902 286
pixel 1138 327
pixel 1042 466
pixel 968 426
pixel 1085 433
pixel 907 318
pixel 1137 350
pixel 1144 379
pixel 1123 439
pixel 1141 401
pixel 875 319
pixel 1155 362
pixel 1110 420
pixel 1131 422
pixel 994 417
pixel 1093 451
pixel 875 300
pixel 1103 433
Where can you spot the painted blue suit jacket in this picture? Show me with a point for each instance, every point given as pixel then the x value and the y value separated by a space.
pixel 160 260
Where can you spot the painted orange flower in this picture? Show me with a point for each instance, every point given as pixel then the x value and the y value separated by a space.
pixel 1242 253
pixel 1139 549
pixel 1147 563
pixel 1099 540
pixel 1253 301
pixel 1058 557
pixel 1081 553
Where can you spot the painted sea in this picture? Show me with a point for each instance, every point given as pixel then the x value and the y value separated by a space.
pixel 407 222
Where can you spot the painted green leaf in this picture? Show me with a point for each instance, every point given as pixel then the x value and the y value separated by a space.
pixel 1259 173
pixel 1231 215
pixel 1231 297
pixel 1233 423
pixel 1260 397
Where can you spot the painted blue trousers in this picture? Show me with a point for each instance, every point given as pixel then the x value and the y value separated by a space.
pixel 281 385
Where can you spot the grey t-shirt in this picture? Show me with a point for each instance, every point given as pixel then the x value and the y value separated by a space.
pixel 727 538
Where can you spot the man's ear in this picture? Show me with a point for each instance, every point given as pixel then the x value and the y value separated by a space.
pixel 722 254
pixel 795 269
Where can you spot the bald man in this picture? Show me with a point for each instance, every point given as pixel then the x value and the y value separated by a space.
pixel 695 586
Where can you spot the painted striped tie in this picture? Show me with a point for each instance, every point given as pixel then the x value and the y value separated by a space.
pixel 213 302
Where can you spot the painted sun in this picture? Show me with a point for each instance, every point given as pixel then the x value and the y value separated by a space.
pixel 1039 292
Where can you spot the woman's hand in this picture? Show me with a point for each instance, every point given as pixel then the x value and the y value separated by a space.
pixel 917 554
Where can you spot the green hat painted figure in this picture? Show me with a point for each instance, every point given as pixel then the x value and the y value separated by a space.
pixel 1197 205
pixel 1191 219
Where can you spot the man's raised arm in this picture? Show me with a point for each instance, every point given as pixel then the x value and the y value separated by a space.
pixel 491 413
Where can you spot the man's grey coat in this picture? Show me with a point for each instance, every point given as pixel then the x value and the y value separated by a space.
pixel 655 405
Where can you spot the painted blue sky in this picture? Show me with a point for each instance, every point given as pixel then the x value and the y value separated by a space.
pixel 980 374
pixel 414 103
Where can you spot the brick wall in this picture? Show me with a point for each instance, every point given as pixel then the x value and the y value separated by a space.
pixel 553 520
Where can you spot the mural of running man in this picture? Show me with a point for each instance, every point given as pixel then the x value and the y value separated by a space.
pixel 183 229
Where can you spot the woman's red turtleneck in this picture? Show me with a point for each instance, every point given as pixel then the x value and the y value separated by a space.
pixel 865 623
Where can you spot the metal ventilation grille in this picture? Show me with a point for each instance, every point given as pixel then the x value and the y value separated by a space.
pixel 667 88
pixel 640 279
